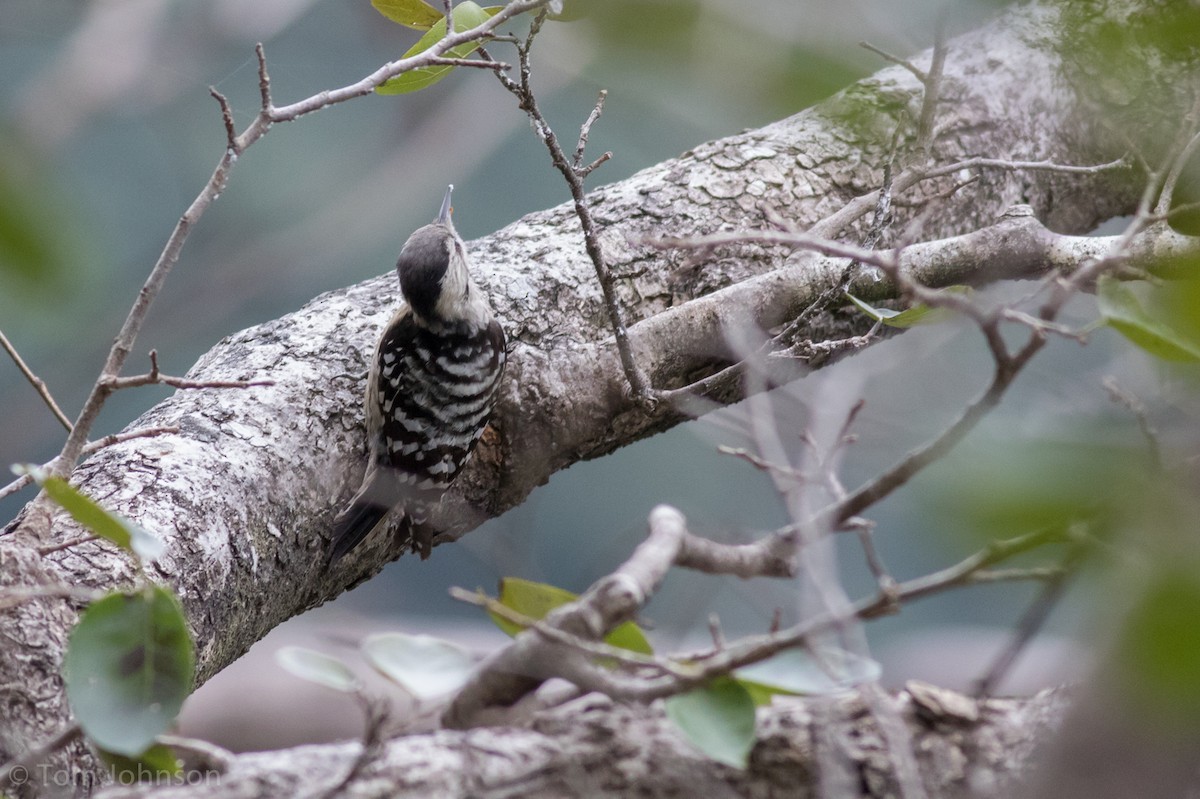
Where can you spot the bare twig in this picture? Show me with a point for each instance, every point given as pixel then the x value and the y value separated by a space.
pixel 597 649
pixel 226 117
pixel 268 115
pixel 375 716
pixel 933 89
pixel 1011 165
pixel 448 9
pixel 155 377
pixel 536 655
pixel 474 63
pixel 1138 409
pixel 17 769
pixel 574 173
pixel 1032 621
pixel 17 595
pixel 38 384
pixel 1187 132
pixel 897 60
pixel 91 448
pixel 585 129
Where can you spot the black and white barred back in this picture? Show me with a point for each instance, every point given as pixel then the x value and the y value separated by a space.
pixel 430 392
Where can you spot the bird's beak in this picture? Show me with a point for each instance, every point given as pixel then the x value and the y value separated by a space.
pixel 443 216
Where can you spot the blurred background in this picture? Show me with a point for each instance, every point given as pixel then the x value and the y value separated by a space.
pixel 107 133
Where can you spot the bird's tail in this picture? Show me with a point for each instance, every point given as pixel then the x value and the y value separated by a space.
pixel 353 524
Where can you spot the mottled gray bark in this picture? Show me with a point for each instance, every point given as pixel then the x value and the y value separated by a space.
pixel 595 748
pixel 243 495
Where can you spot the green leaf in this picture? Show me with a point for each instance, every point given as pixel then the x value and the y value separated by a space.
pixel 317 667
pixel 1000 487
pixel 467 15
pixel 796 673
pixel 104 523
pixel 425 666
pixel 1159 649
pixel 1121 310
pixel 535 600
pixel 918 314
pixel 130 663
pixel 411 13
pixel 155 764
pixel 717 719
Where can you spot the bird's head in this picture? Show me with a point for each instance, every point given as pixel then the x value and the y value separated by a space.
pixel 434 276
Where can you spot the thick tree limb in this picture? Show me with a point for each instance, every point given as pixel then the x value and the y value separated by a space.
pixel 582 749
pixel 244 492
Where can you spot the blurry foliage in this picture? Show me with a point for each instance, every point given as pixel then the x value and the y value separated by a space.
pixel 36 235
pixel 1128 57
pixel 1158 653
pixel 780 72
pixel 1002 488
pixel 1163 332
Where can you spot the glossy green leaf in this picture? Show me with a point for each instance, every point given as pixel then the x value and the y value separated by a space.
pixel 317 667
pixel 415 14
pixel 130 663
pixel 796 673
pixel 155 764
pixel 425 666
pixel 104 523
pixel 1122 311
pixel 535 600
pixel 717 719
pixel 467 15
pixel 916 315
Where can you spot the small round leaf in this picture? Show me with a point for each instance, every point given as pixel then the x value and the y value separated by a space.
pixel 130 663
pixel 317 667
pixel 425 666
pixel 717 719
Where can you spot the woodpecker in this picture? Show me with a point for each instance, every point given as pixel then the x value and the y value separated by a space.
pixel 430 390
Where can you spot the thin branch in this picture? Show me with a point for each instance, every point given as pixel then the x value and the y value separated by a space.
pixel 118 438
pixel 155 377
pixel 1138 408
pixel 69 544
pixel 574 174
pixel 1031 622
pixel 1188 129
pixel 520 668
pixel 226 118
pixel 752 649
pixel 531 658
pixel 16 771
pixel 598 649
pixel 375 718
pixel 469 62
pixel 586 128
pixel 448 9
pixel 38 384
pixel 91 448
pixel 217 183
pixel 897 60
pixel 1033 166
pixel 933 87
pixel 19 595
pixel 264 82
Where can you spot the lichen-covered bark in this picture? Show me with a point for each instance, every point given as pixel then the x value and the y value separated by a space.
pixel 243 495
